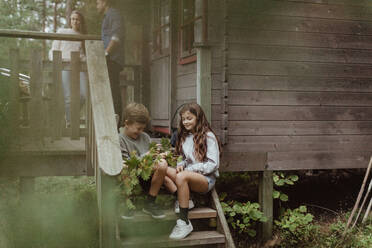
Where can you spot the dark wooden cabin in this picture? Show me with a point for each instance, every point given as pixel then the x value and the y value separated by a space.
pixel 290 78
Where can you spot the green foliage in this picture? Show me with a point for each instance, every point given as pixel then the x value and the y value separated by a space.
pixel 296 228
pixel 242 216
pixel 62 212
pixel 281 179
pixel 142 167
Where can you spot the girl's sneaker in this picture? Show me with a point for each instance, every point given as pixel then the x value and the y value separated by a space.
pixel 181 230
pixel 177 206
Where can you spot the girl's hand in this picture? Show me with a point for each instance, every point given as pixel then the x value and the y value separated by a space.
pixel 179 169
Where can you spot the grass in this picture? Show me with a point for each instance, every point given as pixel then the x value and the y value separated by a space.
pixel 62 212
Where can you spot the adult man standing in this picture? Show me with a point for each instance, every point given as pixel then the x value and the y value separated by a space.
pixel 112 33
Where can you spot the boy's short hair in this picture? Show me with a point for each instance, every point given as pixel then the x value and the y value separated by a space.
pixel 136 112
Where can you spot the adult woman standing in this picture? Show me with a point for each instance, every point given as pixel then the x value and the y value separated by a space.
pixel 77 26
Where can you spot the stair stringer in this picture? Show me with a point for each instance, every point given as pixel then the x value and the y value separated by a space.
pixel 222 225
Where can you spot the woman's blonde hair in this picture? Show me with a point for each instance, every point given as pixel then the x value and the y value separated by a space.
pixel 136 112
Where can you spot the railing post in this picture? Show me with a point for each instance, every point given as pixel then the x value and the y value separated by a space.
pixel 265 198
pixel 36 115
pixel 105 149
pixel 57 96
pixel 14 86
pixel 75 95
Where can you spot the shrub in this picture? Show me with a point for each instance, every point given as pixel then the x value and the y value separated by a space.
pixel 243 216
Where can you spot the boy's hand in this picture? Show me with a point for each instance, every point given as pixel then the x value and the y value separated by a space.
pixel 125 165
pixel 163 154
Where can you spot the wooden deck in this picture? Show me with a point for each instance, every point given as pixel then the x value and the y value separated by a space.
pixel 27 157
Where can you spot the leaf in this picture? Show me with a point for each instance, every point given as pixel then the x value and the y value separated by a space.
pixel 302 209
pixel 283 197
pixel 251 232
pixel 275 178
pixel 280 182
pixel 294 178
pixel 276 194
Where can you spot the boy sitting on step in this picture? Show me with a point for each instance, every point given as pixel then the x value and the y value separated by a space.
pixel 133 138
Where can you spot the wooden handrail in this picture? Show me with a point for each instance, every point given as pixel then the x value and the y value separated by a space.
pixel 45 36
pixel 103 116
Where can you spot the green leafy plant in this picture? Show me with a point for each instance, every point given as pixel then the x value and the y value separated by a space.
pixel 242 216
pixel 295 226
pixel 142 167
pixel 280 179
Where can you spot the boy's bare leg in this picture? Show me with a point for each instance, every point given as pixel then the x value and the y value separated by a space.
pixel 186 180
pixel 158 178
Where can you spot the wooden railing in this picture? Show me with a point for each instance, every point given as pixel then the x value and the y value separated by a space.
pixel 43 114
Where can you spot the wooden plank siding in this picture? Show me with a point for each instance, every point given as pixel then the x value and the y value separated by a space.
pixel 186 83
pixel 299 82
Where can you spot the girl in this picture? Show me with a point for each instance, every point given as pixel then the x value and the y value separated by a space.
pixel 77 26
pixel 198 171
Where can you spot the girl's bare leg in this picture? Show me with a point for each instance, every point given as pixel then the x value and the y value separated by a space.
pixel 186 181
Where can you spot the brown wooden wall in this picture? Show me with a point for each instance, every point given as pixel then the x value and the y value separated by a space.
pixel 299 80
pixel 186 83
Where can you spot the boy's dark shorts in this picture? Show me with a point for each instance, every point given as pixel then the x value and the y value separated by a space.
pixel 145 184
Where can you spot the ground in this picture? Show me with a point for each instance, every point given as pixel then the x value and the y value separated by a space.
pixel 63 211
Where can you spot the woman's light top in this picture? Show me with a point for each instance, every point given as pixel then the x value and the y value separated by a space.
pixel 67 46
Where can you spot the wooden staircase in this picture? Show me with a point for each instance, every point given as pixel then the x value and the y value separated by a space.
pixel 144 231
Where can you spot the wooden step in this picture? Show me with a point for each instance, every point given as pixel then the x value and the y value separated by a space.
pixel 195 238
pixel 195 213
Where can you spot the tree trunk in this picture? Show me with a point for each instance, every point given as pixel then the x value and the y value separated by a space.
pixel 43 24
pixel 69 7
pixel 55 21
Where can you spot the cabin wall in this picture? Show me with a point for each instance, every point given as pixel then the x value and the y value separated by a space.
pixel 299 81
pixel 186 83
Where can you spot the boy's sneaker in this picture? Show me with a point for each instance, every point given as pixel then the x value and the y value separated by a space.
pixel 177 206
pixel 181 230
pixel 128 214
pixel 154 210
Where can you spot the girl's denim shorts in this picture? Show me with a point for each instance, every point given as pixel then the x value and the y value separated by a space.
pixel 211 181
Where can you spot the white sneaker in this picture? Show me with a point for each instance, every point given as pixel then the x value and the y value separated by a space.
pixel 177 206
pixel 181 230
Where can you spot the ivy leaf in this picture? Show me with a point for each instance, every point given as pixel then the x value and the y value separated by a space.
pixel 280 182
pixel 302 209
pixel 251 232
pixel 283 197
pixel 276 194
pixel 293 178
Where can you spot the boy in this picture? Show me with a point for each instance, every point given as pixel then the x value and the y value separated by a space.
pixel 134 139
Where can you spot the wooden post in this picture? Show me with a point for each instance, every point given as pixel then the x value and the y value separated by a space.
pixel 75 95
pixel 265 196
pixel 36 116
pixel 204 80
pixel 173 22
pixel 14 86
pixel 106 148
pixel 57 96
pixel 107 209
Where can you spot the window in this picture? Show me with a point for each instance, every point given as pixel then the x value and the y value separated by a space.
pixel 192 22
pixel 161 27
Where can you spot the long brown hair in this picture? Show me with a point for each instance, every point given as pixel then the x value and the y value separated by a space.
pixel 83 27
pixel 202 127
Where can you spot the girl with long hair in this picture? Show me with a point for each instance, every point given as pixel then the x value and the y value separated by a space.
pixel 76 26
pixel 200 149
